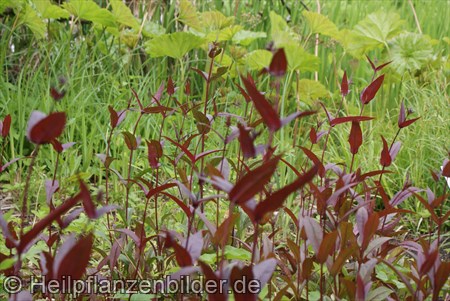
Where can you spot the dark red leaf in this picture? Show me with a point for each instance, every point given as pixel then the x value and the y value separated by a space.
pixel 446 168
pixel 355 139
pixel 141 107
pixel 278 65
pixel 369 229
pixel 154 153
pixel 402 114
pixel 240 279
pixel 267 112
pixel 253 182
pixel 246 97
pixel 50 188
pixel 276 199
pixel 72 258
pixel 211 277
pixel 170 87
pixel 316 161
pixel 43 129
pixel 344 85
pixel 57 95
pixel 374 68
pixel 156 109
pixel 57 146
pixel 370 91
pixel 88 204
pixel 295 115
pixel 130 140
pixel 408 122
pixel 5 126
pixel 313 135
pixel 246 142
pixel 28 237
pixel 201 73
pixel 382 66
pixel 385 159
pixel 187 88
pixel 327 247
pixel 340 120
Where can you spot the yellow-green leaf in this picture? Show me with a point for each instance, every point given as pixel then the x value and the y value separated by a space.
pixel 280 33
pixel 214 20
pixel 175 45
pixel 310 90
pixel 380 26
pixel 187 14
pixel 245 37
pixel 50 11
pixel 90 11
pixel 30 19
pixel 123 14
pixel 355 43
pixel 299 59
pixel 320 24
pixel 258 59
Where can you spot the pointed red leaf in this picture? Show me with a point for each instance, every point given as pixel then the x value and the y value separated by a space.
pixel 43 129
pixel 340 120
pixel 130 140
pixel 355 139
pixel 408 122
pixel 6 125
pixel 187 88
pixel 267 112
pixel 327 247
pixel 253 182
pixel 246 142
pixel 28 237
pixel 276 199
pixel 170 87
pixel 402 114
pixel 240 279
pixel 316 161
pixel 72 259
pixel 246 97
pixel 370 91
pixel 382 66
pixel 385 159
pixel 278 66
pixel 344 85
pixel 88 204
pixel 154 153
pixel 374 68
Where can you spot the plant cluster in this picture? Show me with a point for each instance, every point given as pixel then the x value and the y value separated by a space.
pixel 346 229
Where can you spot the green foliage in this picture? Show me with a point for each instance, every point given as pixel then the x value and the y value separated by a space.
pixel 175 45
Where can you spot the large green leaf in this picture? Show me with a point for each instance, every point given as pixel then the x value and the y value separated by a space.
pixel 245 37
pixel 214 20
pixel 320 24
pixel 50 11
pixel 152 29
pixel 410 52
pixel 224 34
pixel 280 33
pixel 299 59
pixel 16 5
pixel 123 14
pixel 236 253
pixel 310 90
pixel 175 45
pixel 29 17
pixel 257 59
pixel 90 11
pixel 380 26
pixel 355 43
pixel 187 14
